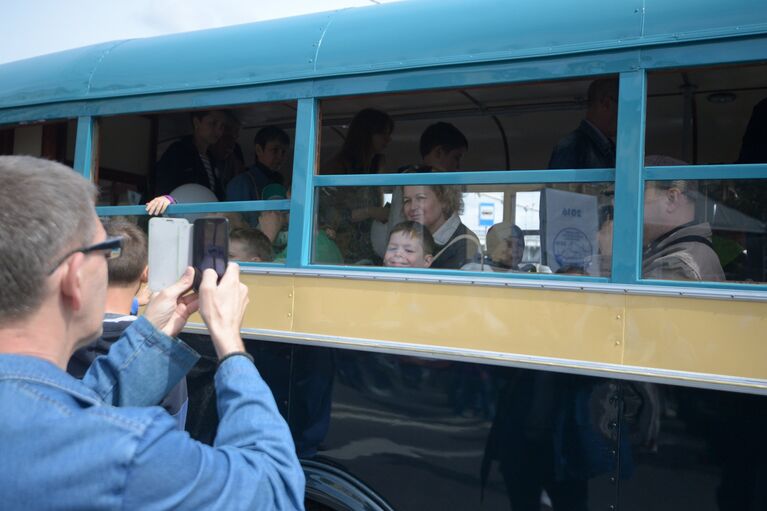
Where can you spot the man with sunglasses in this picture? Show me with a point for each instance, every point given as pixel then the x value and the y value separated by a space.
pixel 65 442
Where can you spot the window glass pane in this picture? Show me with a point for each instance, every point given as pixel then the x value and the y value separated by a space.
pixel 246 244
pixel 197 156
pixel 494 228
pixel 705 230
pixel 707 116
pixel 557 124
pixel 53 140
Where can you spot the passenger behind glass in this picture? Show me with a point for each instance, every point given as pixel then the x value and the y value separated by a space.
pixel 437 208
pixel 676 246
pixel 189 160
pixel 592 144
pixel 442 147
pixel 271 146
pixel 505 249
pixel 227 153
pixel 350 211
pixel 249 245
pixel 410 246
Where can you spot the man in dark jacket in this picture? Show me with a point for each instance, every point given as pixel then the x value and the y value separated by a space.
pixel 592 144
pixel 189 160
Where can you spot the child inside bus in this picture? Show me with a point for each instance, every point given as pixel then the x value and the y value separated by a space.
pixel 250 245
pixel 410 246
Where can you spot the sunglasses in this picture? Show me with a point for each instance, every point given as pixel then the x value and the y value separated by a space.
pixel 112 248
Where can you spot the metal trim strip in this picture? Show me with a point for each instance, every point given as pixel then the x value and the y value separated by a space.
pixel 635 373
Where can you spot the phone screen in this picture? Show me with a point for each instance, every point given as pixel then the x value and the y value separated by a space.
pixel 210 247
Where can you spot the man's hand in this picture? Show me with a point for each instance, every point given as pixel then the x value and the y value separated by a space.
pixel 169 309
pixel 222 307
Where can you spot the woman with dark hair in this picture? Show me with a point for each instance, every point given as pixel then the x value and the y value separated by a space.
pixel 362 153
pixel 437 208
pixel 350 211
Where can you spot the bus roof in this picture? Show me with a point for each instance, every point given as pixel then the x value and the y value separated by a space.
pixel 378 38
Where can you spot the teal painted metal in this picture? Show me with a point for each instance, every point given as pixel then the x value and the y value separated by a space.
pixel 393 81
pixel 706 285
pixel 349 42
pixel 629 187
pixel 705 53
pixel 300 236
pixel 86 128
pixel 493 177
pixel 249 264
pixel 201 207
pixel 751 171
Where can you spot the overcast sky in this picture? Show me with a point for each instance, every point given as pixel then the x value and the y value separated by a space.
pixel 37 27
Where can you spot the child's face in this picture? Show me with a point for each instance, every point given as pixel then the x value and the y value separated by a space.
pixel 406 252
pixel 239 252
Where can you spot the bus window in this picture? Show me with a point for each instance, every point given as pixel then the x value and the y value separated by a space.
pixel 707 230
pixel 557 124
pixel 266 243
pixel 234 153
pixel 51 140
pixel 555 228
pixel 709 115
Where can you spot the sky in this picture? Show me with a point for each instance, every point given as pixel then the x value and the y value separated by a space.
pixel 37 27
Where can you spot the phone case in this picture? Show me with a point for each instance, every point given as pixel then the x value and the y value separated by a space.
pixel 170 251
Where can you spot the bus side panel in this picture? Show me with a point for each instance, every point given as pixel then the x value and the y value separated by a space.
pixel 426 434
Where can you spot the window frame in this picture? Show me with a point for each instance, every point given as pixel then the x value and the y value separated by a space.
pixel 629 176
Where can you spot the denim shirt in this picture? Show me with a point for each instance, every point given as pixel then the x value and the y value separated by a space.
pixel 64 445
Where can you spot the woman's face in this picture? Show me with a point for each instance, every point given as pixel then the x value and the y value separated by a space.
pixel 380 141
pixel 420 204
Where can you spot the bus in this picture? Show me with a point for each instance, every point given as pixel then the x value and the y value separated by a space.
pixel 597 373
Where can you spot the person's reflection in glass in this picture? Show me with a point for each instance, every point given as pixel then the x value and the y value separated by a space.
pixel 552 433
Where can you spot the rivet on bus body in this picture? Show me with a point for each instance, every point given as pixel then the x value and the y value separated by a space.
pixel 612 479
pixel 290 295
pixel 617 342
pixel 618 316
pixel 290 314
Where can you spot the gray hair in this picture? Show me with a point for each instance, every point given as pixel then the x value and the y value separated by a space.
pixel 47 209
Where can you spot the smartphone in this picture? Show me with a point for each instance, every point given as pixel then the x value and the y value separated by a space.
pixel 170 251
pixel 210 247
